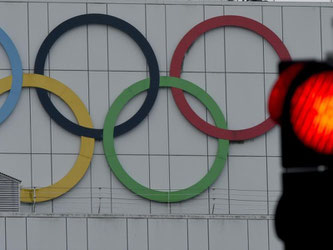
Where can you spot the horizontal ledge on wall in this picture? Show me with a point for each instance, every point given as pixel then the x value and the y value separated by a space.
pixel 144 216
pixel 183 2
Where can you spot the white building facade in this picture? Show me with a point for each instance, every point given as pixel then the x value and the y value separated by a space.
pixel 235 66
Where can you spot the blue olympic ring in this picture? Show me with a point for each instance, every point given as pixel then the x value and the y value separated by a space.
pixel 17 74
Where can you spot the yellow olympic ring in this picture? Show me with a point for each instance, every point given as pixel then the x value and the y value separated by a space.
pixel 87 144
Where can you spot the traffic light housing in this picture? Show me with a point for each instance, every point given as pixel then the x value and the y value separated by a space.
pixel 302 103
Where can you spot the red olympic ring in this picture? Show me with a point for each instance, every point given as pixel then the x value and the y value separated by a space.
pixel 176 67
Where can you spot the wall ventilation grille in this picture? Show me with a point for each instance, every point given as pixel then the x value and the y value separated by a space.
pixel 9 194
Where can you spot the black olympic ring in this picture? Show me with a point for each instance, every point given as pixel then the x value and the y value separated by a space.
pixel 127 29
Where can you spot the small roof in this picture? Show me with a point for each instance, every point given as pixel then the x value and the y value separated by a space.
pixel 9 177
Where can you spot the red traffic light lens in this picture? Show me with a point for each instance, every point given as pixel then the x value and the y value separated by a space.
pixel 311 112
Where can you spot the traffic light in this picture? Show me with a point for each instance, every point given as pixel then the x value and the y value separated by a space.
pixel 301 102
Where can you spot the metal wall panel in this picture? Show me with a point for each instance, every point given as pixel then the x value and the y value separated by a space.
pixel 45 152
pixel 162 232
pixel 258 235
pixel 167 234
pixel 229 234
pixel 16 234
pixel 2 234
pixel 76 233
pixel 107 233
pixel 137 234
pixel 302 24
pixel 46 233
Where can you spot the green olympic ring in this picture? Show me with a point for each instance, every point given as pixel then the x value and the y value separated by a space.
pixel 126 179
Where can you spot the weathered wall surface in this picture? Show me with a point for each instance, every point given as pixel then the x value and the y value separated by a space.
pixel 130 232
pixel 235 66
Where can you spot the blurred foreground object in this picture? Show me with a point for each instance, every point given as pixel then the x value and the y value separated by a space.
pixel 301 102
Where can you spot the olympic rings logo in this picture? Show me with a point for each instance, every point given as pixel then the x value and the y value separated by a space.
pixel 85 129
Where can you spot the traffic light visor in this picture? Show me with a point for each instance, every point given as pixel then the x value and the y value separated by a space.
pixel 280 89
